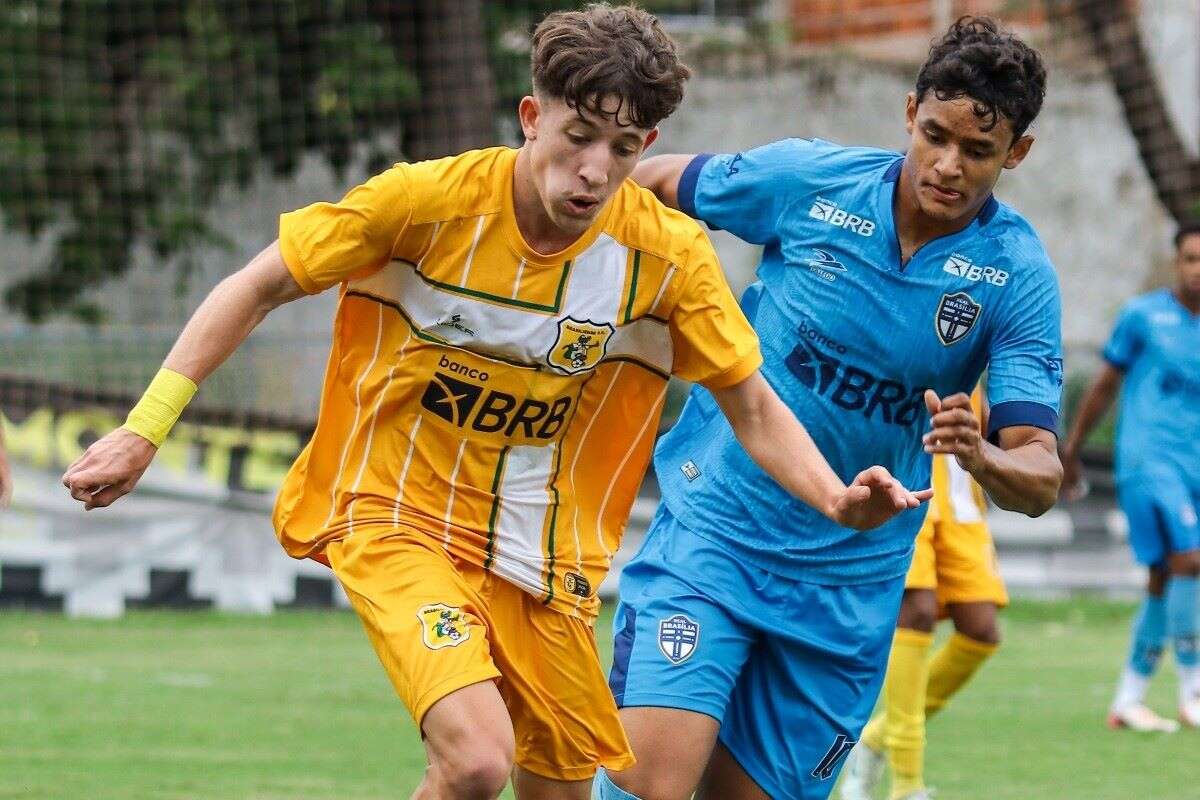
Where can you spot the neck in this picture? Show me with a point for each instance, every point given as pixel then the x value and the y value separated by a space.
pixel 914 227
pixel 535 225
pixel 1189 300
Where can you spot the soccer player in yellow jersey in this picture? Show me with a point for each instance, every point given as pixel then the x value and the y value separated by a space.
pixel 507 324
pixel 953 574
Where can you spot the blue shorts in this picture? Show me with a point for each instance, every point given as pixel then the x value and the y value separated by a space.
pixel 1161 510
pixel 790 669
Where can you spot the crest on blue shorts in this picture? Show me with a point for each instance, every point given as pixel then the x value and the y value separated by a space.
pixel 677 638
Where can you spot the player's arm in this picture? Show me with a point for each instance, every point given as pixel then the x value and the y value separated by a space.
pixel 6 483
pixel 661 174
pixel 1021 472
pixel 112 466
pixel 1096 401
pixel 778 442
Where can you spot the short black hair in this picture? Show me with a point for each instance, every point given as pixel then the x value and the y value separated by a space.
pixel 1187 228
pixel 977 59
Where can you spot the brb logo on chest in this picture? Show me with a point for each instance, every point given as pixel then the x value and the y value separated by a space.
pixel 963 267
pixel 469 405
pixel 828 211
pixel 817 363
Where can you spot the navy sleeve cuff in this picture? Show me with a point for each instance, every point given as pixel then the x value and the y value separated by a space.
pixel 1020 412
pixel 686 191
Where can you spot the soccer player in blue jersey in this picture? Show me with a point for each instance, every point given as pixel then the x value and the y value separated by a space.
pixel 1155 352
pixel 752 635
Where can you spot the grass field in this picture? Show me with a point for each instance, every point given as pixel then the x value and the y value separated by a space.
pixel 200 705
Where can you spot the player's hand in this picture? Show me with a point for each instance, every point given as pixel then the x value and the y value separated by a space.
pixel 109 469
pixel 1074 486
pixel 6 479
pixel 872 499
pixel 955 429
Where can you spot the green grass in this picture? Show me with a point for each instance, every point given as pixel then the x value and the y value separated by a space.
pixel 200 705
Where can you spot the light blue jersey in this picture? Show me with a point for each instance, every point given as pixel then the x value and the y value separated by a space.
pixel 851 338
pixel 1156 343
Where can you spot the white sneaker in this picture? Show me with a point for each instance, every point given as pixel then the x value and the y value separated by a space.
pixel 863 772
pixel 1140 717
pixel 1189 713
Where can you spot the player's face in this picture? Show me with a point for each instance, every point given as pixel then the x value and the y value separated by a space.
pixel 1187 263
pixel 952 163
pixel 579 159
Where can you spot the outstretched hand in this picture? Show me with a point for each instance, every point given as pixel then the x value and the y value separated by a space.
pixel 109 469
pixel 873 498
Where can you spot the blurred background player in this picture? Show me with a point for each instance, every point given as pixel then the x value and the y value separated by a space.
pixel 1153 360
pixel 953 575
pixel 752 635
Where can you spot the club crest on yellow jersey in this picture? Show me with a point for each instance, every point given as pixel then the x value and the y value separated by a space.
pixel 579 346
pixel 442 626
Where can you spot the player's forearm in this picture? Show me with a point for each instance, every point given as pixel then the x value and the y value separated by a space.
pixel 1024 478
pixel 661 174
pixel 231 311
pixel 1096 401
pixel 777 442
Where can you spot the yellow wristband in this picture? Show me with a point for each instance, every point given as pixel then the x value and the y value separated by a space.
pixel 156 413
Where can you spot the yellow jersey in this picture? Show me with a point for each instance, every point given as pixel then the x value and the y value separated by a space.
pixel 957 498
pixel 502 401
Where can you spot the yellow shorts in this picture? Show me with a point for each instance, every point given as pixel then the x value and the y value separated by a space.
pixel 958 561
pixel 440 624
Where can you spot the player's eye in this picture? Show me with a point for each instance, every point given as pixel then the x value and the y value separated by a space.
pixel 577 138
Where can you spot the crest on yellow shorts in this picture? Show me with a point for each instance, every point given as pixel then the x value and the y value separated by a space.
pixel 442 626
pixel 580 345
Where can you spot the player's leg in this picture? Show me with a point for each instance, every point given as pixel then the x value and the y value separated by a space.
pixel 1149 541
pixel 469 744
pixel 428 626
pixel 563 714
pixel 1183 606
pixel 806 692
pixel 897 732
pixel 680 639
pixel 725 777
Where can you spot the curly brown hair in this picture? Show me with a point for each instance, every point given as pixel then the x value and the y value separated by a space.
pixel 603 51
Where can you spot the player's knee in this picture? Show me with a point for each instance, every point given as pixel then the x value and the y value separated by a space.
pixel 480 774
pixel 919 612
pixel 985 631
pixel 473 761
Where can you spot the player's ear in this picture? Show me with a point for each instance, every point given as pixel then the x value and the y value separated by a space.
pixel 910 112
pixel 649 140
pixel 1017 153
pixel 529 112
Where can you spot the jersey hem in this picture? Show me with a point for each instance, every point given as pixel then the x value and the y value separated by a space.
pixel 735 374
pixel 295 264
pixel 657 700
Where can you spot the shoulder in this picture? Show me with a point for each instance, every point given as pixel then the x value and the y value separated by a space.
pixel 640 222
pixel 797 157
pixel 468 184
pixel 1016 247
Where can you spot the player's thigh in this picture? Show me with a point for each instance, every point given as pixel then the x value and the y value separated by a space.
pixel 563 714
pixel 967 570
pixel 805 695
pixel 422 614
pixel 724 779
pixel 922 572
pixel 1161 515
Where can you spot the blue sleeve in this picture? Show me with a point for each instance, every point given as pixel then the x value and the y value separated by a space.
pixel 1125 343
pixel 745 193
pixel 1025 369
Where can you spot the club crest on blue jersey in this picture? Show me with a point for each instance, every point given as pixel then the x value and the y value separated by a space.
pixel 956 316
pixel 677 638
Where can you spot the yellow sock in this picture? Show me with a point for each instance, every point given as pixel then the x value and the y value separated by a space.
pixel 952 666
pixel 903 720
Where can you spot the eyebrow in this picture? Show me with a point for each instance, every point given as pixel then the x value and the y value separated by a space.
pixel 973 140
pixel 582 120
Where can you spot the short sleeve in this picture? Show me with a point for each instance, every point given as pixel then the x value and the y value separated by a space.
pixel 1125 343
pixel 1025 369
pixel 744 193
pixel 713 342
pixel 326 243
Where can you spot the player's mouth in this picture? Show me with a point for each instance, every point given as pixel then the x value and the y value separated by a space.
pixel 942 194
pixel 582 206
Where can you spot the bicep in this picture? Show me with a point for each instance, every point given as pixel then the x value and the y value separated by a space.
pixel 744 400
pixel 269 279
pixel 661 175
